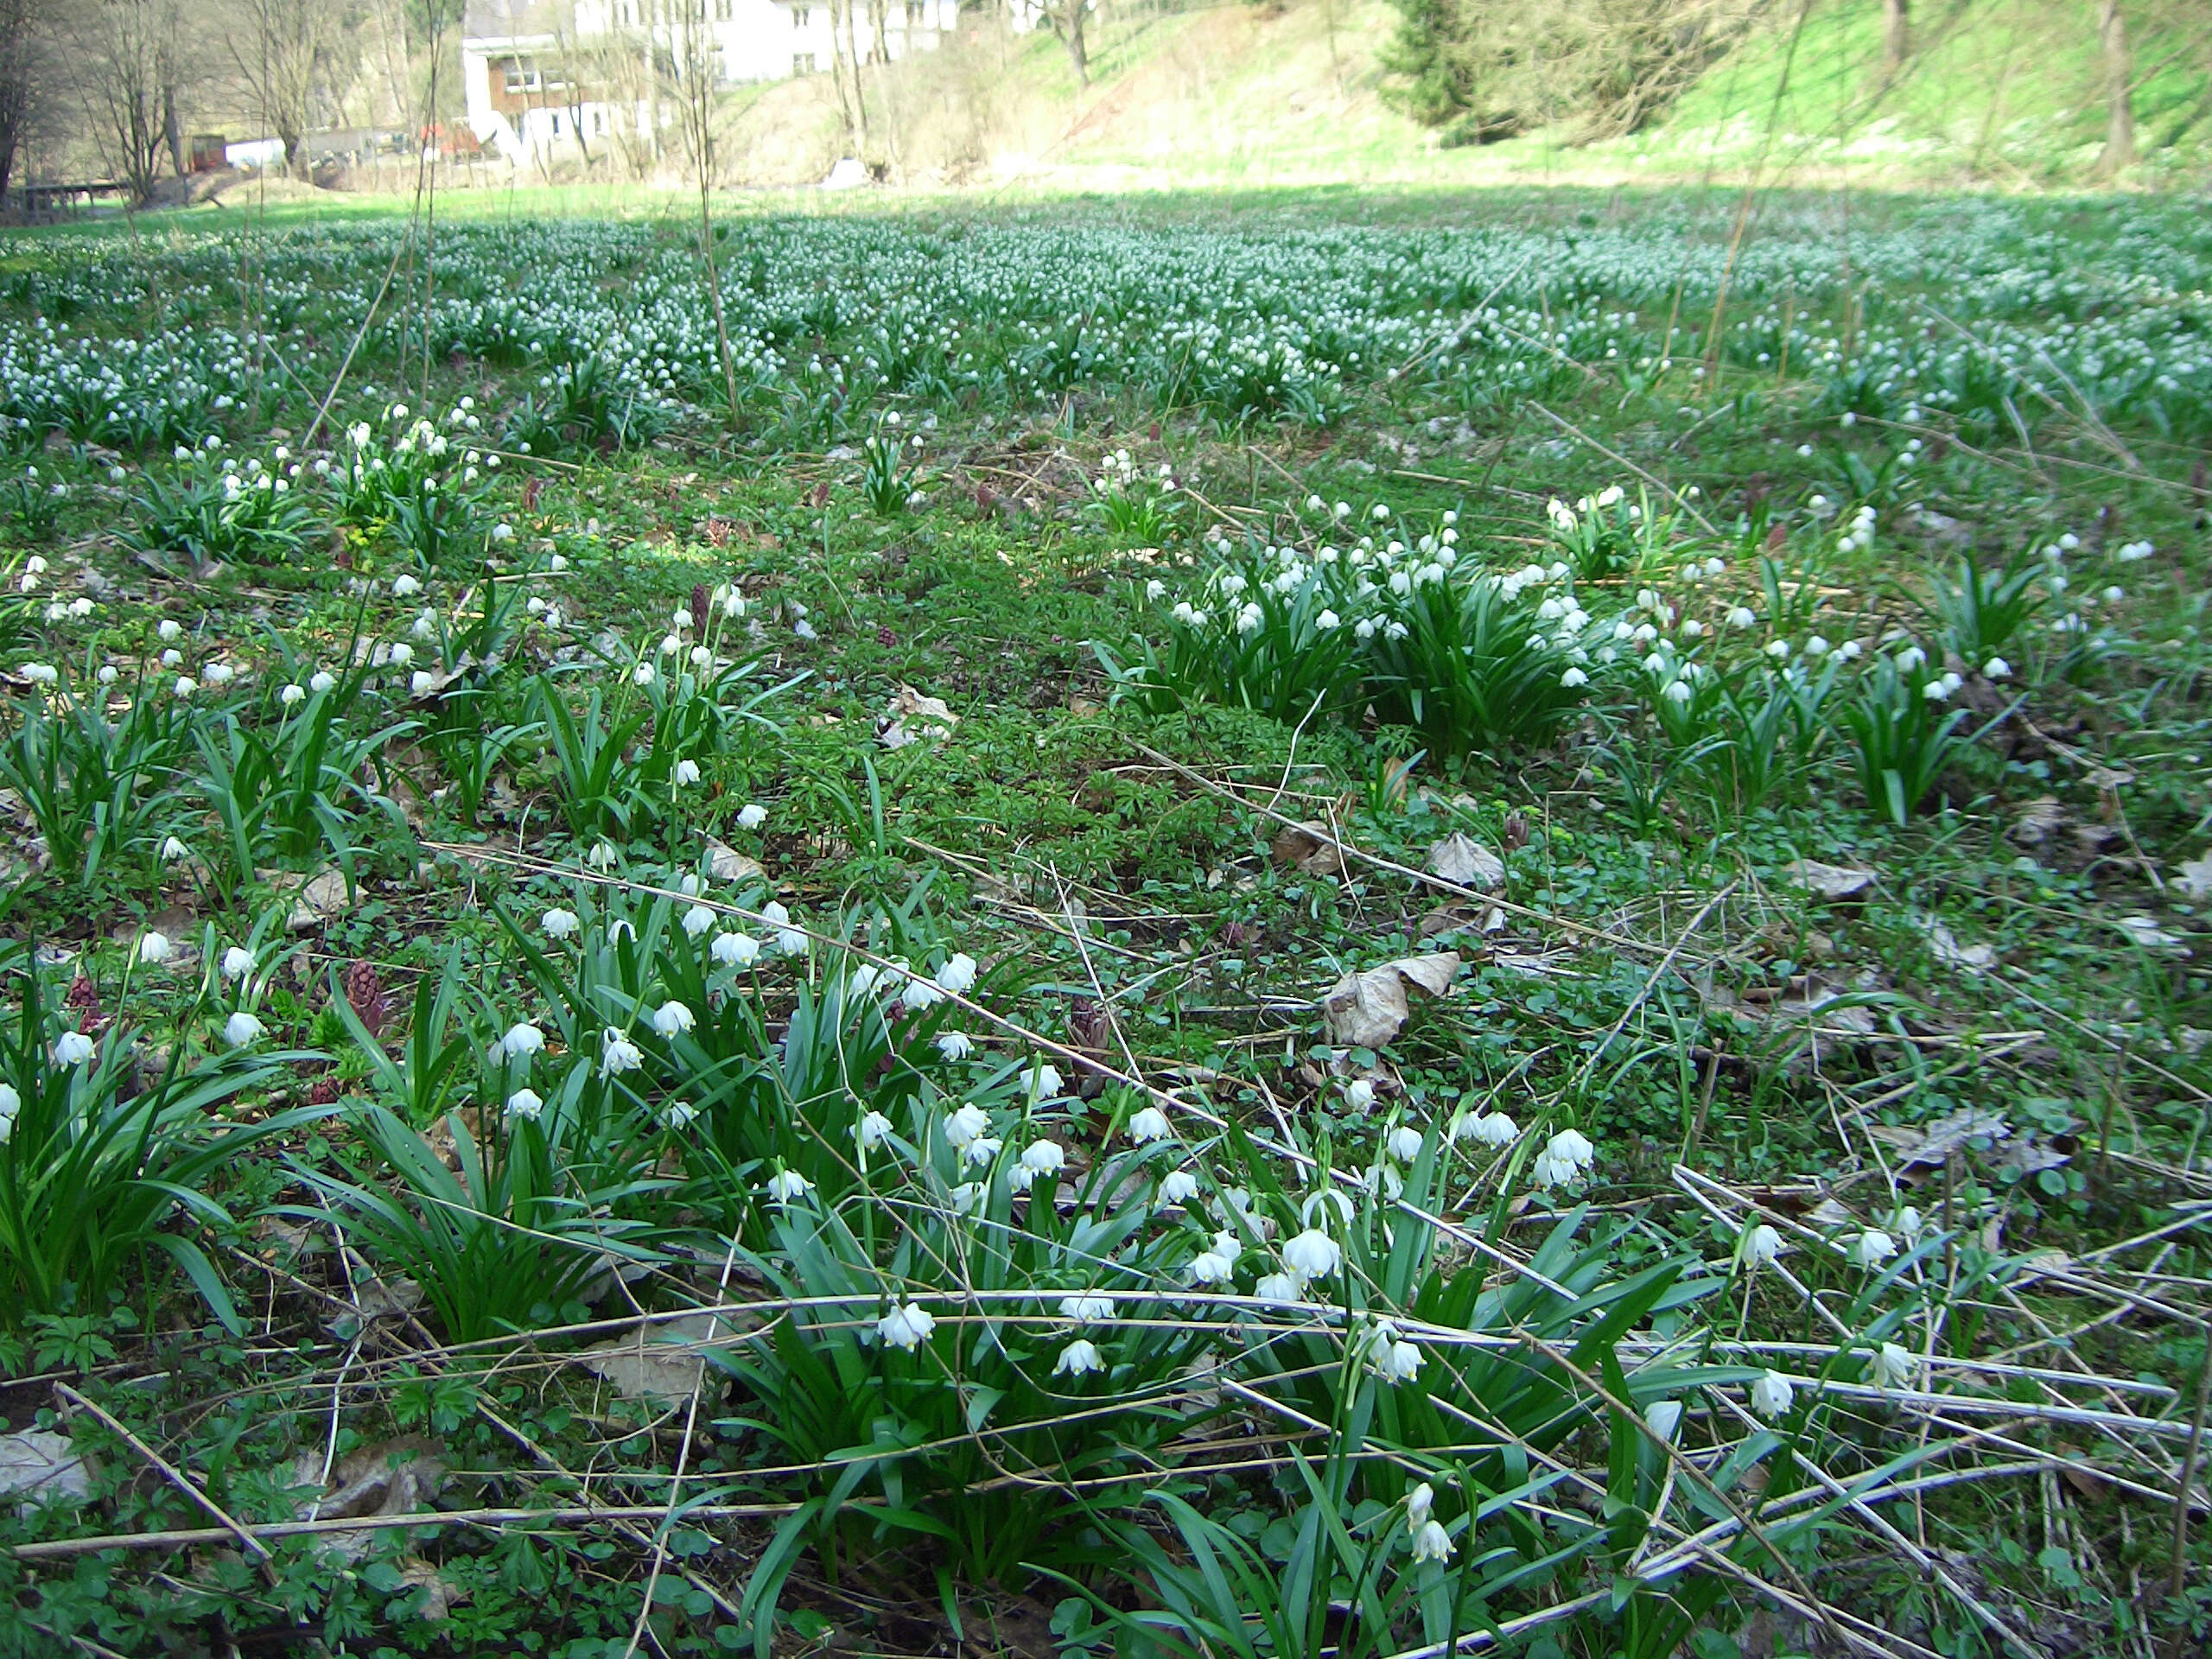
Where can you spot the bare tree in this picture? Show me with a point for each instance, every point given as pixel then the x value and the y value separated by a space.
pixel 696 73
pixel 19 58
pixel 125 63
pixel 2119 92
pixel 285 52
pixel 1897 34
pixel 1067 18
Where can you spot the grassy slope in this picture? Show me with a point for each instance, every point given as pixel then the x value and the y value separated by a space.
pixel 1999 91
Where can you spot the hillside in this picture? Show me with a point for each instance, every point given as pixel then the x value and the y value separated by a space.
pixel 2006 92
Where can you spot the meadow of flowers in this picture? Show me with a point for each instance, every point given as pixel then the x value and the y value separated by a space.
pixel 1142 938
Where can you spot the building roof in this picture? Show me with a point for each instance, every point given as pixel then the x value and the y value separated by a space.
pixel 499 19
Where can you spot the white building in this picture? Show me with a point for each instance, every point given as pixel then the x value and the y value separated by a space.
pixel 546 77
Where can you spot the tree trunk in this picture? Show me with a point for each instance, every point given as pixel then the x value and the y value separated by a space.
pixel 2120 96
pixel 15 84
pixel 173 133
pixel 294 140
pixel 1897 34
pixel 1067 23
pixel 853 63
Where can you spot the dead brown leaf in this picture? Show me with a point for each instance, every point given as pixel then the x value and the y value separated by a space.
pixel 1311 846
pixel 1835 883
pixel 1366 1010
pixel 1466 862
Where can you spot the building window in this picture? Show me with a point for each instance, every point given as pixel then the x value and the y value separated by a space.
pixel 802 63
pixel 598 122
pixel 802 17
pixel 914 9
pixel 556 125
pixel 721 10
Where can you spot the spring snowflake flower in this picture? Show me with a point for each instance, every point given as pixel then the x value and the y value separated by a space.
pixel 522 1039
pixel 672 1019
pixel 1277 1287
pixel 919 993
pixel 73 1048
pixel 1772 1395
pixel 1176 1186
pixel 618 1054
pixel 958 974
pixel 11 1104
pixel 872 1131
pixel 1312 1255
pixel 686 773
pixel 1761 1247
pixel 1042 1081
pixel 322 680
pixel 173 849
pixel 1359 1094
pixel 1392 1358
pixel 154 947
pixel 1149 1125
pixel 788 1187
pixel 1086 1310
pixel 292 696
pixel 560 924
pixel 736 950
pixel 1211 1268
pixel 1078 1358
pixel 964 1127
pixel 421 682
pixel 1431 1542
pixel 1044 1158
pixel 40 673
pixel 1997 669
pixel 1566 1157
pixel 185 685
pixel 1492 1129
pixel 242 1029
pixel 170 631
pixel 1872 1247
pixel 1419 1502
pixel 955 1046
pixel 905 1326
pixel 679 1114
pixel 1894 1366
pixel 752 815
pixel 526 1105
pixel 237 961
pixel 406 587
pixel 789 940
